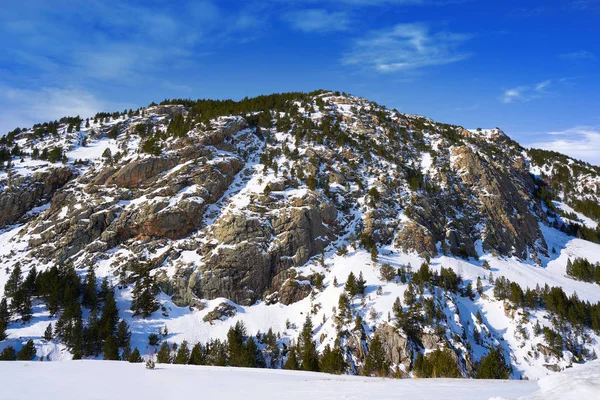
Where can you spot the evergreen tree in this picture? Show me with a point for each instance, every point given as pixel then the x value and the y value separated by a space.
pixel 292 361
pixel 110 315
pixel 144 301
pixel 126 354
pixel 197 356
pixel 308 349
pixel 27 352
pixel 14 282
pixel 375 363
pixel 48 333
pixel 164 354
pixel 4 318
pixel 235 339
pixel 90 294
pixel 111 348
pixel 361 284
pixel 135 356
pixel 351 286
pixel 8 354
pixel 493 366
pixel 254 357
pixel 183 354
pixel 332 361
pixel 479 286
pixel 123 334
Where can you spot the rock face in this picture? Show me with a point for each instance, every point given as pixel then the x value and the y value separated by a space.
pixel 21 194
pixel 396 347
pixel 253 250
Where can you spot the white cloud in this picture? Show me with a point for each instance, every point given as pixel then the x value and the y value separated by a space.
pixel 25 107
pixel 318 20
pixel 580 142
pixel 528 92
pixel 406 47
pixel 579 55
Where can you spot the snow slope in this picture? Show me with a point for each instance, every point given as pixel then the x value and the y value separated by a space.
pixel 79 380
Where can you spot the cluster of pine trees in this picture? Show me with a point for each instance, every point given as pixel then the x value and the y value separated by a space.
pixel 583 270
pixel 64 295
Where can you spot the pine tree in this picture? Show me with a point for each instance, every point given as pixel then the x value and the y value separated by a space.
pixel 254 357
pixel 4 318
pixel 308 349
pixel 292 361
pixel 111 348
pixel 123 334
pixel 110 315
pixel 479 286
pixel 8 354
pixel 14 282
pixel 332 361
pixel 375 363
pixel 197 356
pixel 493 366
pixel 144 297
pixel 164 354
pixel 183 354
pixel 135 356
pixel 351 285
pixel 361 284
pixel 126 354
pixel 90 294
pixel 48 333
pixel 27 352
pixel 569 268
pixel 235 340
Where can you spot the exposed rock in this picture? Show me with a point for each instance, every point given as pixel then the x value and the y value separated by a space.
pixel 134 173
pixel 21 194
pixel 395 346
pixel 221 312
pixel 293 291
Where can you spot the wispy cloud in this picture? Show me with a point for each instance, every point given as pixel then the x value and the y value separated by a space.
pixel 318 20
pixel 406 47
pixel 24 107
pixel 526 93
pixel 580 142
pixel 578 55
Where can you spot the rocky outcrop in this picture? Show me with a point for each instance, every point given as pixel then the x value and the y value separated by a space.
pixel 220 312
pixel 21 194
pixel 396 348
pixel 293 291
pixel 131 175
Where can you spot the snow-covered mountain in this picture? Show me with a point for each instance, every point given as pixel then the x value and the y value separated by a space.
pixel 410 244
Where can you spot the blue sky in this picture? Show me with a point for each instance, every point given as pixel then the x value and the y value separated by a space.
pixel 531 68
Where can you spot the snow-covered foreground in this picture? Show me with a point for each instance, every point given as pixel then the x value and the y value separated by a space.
pixel 112 380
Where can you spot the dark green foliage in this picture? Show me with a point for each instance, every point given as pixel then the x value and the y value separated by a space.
pixel 216 353
pixel 135 356
pixel 90 294
pixel 27 352
pixel 110 315
pixel 183 354
pixel 48 333
pixel 153 339
pixel 8 354
pixel 387 272
pixel 583 270
pixel 351 286
pixel 292 360
pixel 111 348
pixel 493 366
pixel 14 282
pixel 375 363
pixel 164 354
pixel 144 301
pixel 4 318
pixel 123 334
pixel 308 350
pixel 332 360
pixel 438 364
pixel 198 355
